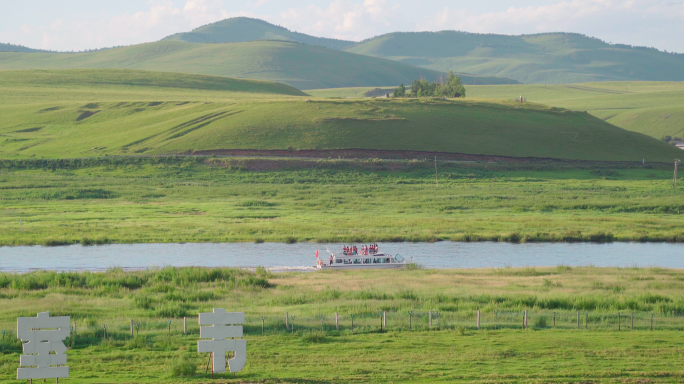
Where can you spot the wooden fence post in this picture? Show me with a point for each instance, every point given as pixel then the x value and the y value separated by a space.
pixel 430 321
pixel 578 319
pixel 526 319
pixel 384 319
pixel 185 325
pixel 478 319
pixel 632 321
pixel 337 321
pixel 287 316
pixel 74 329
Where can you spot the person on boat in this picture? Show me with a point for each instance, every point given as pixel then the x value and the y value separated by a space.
pixel 355 250
pixel 331 260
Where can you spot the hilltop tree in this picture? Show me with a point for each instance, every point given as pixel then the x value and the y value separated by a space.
pixel 451 87
pixel 401 91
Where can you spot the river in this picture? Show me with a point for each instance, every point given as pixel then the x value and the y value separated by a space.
pixel 283 257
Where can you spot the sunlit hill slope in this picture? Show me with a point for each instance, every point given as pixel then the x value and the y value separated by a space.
pixel 71 115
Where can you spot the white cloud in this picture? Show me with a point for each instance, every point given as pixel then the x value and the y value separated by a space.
pixel 343 19
pixel 631 22
pixel 162 18
pixel 256 4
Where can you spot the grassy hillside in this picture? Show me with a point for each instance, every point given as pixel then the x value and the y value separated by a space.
pixel 242 29
pixel 119 80
pixel 651 108
pixel 542 58
pixel 55 121
pixel 350 92
pixel 302 66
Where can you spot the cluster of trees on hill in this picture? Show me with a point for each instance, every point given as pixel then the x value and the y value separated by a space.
pixel 451 87
pixel 672 140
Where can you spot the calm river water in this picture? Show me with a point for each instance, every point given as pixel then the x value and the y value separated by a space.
pixel 301 256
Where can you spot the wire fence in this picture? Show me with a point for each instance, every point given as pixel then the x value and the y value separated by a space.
pixel 85 333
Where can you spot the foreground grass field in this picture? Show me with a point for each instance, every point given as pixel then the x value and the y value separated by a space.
pixel 449 353
pixel 200 199
pixel 61 114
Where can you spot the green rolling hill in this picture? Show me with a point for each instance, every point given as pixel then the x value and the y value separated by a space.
pixel 541 58
pixel 76 113
pixel 243 29
pixel 119 81
pixel 299 65
pixel 651 108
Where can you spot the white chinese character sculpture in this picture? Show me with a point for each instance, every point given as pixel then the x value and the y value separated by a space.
pixel 40 343
pixel 223 327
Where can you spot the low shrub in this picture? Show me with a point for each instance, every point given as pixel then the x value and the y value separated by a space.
pixel 315 337
pixel 183 368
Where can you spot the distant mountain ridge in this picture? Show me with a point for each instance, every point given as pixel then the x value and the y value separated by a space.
pixel 17 48
pixel 540 58
pixel 478 58
pixel 244 29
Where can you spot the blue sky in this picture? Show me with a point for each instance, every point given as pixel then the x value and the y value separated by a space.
pixel 86 24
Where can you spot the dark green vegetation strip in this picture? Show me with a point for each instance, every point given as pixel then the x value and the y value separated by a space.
pixel 453 351
pixel 199 199
pixel 80 78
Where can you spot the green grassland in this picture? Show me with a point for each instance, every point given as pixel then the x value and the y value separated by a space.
pixel 540 58
pixel 195 199
pixel 85 113
pixel 651 108
pixel 452 351
pixel 302 66
pixel 353 92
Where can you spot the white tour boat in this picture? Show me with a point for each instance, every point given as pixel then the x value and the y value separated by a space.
pixel 360 260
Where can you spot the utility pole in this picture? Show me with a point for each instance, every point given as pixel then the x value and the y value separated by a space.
pixel 437 178
pixel 674 179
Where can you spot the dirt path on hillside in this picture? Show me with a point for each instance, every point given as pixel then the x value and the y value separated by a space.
pixel 385 155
